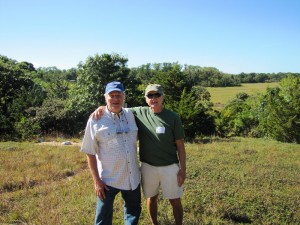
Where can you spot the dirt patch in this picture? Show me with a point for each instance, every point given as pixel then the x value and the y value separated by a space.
pixel 65 143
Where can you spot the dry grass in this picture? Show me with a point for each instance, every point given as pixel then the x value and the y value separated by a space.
pixel 229 182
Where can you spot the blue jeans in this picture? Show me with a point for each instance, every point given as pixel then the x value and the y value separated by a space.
pixel 132 206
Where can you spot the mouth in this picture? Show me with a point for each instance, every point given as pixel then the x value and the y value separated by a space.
pixel 154 102
pixel 116 104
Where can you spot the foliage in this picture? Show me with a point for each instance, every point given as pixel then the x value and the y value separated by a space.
pixel 53 117
pixel 235 119
pixel 209 77
pixel 144 73
pixel 134 91
pixel 50 74
pixel 48 100
pixel 274 114
pixel 281 111
pixel 172 80
pixel 195 111
pixel 27 128
pixel 18 92
pixel 221 96
pixel 92 78
pixel 263 77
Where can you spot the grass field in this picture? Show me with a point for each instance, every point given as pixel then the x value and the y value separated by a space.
pixel 222 95
pixel 236 181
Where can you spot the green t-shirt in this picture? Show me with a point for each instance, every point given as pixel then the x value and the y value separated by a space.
pixel 157 135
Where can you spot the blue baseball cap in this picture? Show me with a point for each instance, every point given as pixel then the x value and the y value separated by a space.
pixel 114 86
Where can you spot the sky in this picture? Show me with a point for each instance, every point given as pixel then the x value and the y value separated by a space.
pixel 234 36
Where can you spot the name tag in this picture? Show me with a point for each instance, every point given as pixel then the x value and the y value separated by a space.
pixel 112 142
pixel 160 130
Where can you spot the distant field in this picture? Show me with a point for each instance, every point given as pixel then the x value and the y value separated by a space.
pixel 221 95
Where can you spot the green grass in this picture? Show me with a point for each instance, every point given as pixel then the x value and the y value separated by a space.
pixel 239 181
pixel 220 96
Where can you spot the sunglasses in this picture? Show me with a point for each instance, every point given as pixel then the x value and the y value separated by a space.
pixel 156 95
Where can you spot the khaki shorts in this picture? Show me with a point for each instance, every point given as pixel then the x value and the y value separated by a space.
pixel 164 177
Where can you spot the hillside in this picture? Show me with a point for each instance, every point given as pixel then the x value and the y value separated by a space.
pixel 228 182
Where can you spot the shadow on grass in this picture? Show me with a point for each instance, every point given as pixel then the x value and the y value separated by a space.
pixel 205 140
pixel 237 218
pixel 27 184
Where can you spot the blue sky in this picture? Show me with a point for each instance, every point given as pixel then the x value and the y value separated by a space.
pixel 232 35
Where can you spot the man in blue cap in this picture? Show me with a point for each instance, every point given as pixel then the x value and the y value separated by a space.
pixel 110 144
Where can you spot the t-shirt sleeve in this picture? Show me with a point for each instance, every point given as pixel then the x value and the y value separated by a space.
pixel 89 142
pixel 135 110
pixel 179 131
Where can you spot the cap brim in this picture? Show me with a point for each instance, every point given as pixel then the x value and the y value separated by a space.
pixel 115 89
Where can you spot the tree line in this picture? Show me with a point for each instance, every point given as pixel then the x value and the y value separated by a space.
pixel 37 102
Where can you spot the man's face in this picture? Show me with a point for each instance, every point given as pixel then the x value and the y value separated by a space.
pixel 154 99
pixel 115 100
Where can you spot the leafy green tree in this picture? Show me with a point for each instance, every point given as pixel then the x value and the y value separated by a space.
pixel 237 118
pixel 281 111
pixel 53 118
pixel 173 82
pixel 134 91
pixel 275 114
pixel 56 82
pixel 195 111
pixel 143 73
pixel 18 92
pixel 27 128
pixel 71 74
pixel 92 77
pixel 209 77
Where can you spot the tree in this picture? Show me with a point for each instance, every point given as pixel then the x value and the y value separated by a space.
pixel 195 111
pixel 281 111
pixel 92 77
pixel 237 119
pixel 173 82
pixel 52 117
pixel 18 92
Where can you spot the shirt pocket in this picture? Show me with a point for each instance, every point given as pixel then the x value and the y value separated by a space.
pixel 106 138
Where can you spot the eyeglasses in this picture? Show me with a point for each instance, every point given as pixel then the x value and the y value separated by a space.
pixel 123 131
pixel 156 95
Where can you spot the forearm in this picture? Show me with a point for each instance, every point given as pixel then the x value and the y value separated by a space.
pixel 92 163
pixel 99 185
pixel 181 175
pixel 181 154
